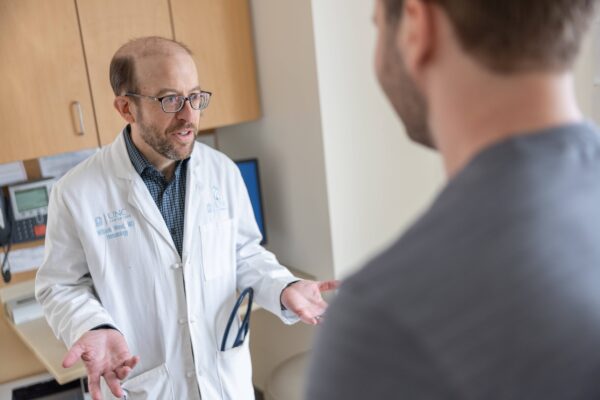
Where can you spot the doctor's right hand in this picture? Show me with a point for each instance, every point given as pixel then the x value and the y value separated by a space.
pixel 104 353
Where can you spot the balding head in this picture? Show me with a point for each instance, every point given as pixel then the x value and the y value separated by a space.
pixel 122 66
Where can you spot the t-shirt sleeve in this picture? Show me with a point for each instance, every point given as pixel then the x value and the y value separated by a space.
pixel 361 352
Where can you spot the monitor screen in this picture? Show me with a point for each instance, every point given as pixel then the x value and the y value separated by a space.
pixel 249 170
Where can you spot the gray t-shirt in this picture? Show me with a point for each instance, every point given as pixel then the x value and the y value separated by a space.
pixel 494 293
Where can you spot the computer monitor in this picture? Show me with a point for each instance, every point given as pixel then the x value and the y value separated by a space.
pixel 249 170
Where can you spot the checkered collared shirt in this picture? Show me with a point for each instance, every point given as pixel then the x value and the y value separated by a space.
pixel 168 196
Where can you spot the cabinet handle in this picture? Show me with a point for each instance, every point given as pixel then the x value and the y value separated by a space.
pixel 77 105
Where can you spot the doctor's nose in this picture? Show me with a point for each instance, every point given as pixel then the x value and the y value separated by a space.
pixel 187 113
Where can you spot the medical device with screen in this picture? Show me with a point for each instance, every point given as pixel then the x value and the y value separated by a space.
pixel 30 199
pixel 249 170
pixel 29 209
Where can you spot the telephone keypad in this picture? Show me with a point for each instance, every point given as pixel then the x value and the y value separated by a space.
pixel 30 229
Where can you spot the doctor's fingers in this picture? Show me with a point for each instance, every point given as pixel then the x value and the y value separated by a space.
pixel 314 305
pixel 317 306
pixel 94 385
pixel 114 384
pixel 126 361
pixel 325 286
pixel 73 355
pixel 307 318
pixel 124 370
pixel 116 359
pixel 310 317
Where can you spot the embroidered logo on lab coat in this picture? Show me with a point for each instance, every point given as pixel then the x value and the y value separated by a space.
pixel 114 224
pixel 218 202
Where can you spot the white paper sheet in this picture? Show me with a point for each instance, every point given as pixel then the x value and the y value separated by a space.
pixel 12 172
pixel 24 259
pixel 57 166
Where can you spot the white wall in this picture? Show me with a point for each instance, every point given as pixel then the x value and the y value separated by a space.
pixel 588 61
pixel 288 138
pixel 340 179
pixel 377 181
pixel 288 142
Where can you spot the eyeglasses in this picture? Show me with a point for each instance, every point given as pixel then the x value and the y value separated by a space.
pixel 174 103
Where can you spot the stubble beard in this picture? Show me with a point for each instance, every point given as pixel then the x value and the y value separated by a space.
pixel 159 141
pixel 405 97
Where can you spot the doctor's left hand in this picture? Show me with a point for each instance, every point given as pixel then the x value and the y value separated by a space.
pixel 104 353
pixel 305 300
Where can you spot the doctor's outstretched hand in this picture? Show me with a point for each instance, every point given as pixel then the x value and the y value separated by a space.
pixel 305 300
pixel 104 353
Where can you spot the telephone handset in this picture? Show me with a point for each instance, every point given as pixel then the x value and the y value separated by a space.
pixel 4 222
pixel 5 238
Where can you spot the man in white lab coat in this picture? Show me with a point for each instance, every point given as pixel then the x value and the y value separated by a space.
pixel 148 241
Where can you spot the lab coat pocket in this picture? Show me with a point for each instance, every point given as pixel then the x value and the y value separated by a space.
pixel 152 384
pixel 235 373
pixel 218 249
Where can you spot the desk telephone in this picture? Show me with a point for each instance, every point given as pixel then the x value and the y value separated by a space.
pixel 25 212
pixel 23 215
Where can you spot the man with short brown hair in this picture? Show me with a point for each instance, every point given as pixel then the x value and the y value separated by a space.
pixel 493 292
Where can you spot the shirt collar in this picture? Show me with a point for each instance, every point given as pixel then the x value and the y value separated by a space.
pixel 140 163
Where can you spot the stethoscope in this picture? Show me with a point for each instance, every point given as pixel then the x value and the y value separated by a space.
pixel 243 331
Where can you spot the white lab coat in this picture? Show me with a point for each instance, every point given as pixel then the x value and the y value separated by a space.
pixel 110 259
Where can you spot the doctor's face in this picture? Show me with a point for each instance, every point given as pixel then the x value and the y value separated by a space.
pixel 171 135
pixel 395 81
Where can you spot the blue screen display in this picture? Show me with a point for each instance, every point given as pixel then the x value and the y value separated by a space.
pixel 249 170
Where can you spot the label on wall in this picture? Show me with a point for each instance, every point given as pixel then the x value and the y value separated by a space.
pixel 57 166
pixel 12 173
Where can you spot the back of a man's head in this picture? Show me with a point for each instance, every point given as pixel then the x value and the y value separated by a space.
pixel 515 35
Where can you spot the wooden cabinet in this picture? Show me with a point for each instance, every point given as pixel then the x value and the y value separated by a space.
pixel 55 56
pixel 44 92
pixel 219 34
pixel 105 26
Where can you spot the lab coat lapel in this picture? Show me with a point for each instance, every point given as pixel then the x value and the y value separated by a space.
pixel 140 198
pixel 138 195
pixel 194 200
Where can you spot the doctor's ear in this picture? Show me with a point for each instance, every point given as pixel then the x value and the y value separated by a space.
pixel 124 107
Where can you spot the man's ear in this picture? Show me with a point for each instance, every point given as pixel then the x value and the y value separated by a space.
pixel 123 106
pixel 416 35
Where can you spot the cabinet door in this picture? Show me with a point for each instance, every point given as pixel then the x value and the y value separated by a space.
pixel 220 36
pixel 105 26
pixel 44 95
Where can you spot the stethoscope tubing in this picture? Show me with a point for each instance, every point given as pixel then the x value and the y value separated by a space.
pixel 241 334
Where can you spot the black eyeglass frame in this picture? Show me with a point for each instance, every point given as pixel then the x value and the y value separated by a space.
pixel 203 105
